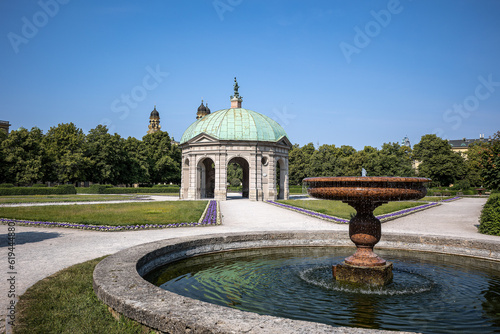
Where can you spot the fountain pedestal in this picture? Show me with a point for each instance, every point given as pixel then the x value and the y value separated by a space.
pixel 365 194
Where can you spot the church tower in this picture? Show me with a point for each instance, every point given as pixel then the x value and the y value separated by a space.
pixel 203 110
pixel 154 122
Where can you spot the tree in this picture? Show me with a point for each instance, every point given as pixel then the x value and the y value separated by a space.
pixel 299 160
pixel 490 160
pixel 473 164
pixel 163 158
pixel 3 163
pixel 355 161
pixel 64 145
pixel 438 161
pixel 234 174
pixel 107 157
pixel 392 160
pixel 23 156
pixel 137 170
pixel 326 161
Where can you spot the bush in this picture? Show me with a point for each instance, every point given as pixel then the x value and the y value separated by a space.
pixel 59 190
pixel 6 185
pixel 489 222
pixel 166 186
pixel 235 182
pixel 462 184
pixel 108 189
pixel 39 185
pixel 99 188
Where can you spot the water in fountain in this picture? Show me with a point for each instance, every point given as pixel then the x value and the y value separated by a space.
pixel 430 293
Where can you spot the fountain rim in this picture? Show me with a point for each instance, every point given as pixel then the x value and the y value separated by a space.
pixel 365 179
pixel 118 281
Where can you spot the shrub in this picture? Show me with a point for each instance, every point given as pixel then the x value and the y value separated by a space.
pixel 107 189
pixel 6 185
pixel 462 184
pixel 99 188
pixel 39 185
pixel 490 216
pixel 235 182
pixel 65 189
pixel 59 190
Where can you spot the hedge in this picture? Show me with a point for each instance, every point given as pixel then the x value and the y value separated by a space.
pixel 154 190
pixel 58 190
pixel 109 189
pixel 489 222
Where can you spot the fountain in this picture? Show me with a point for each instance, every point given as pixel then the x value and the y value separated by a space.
pixel 365 194
pixel 234 282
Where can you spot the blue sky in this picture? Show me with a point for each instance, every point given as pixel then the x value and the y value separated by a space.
pixel 330 72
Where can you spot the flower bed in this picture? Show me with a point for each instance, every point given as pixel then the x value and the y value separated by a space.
pixel 310 213
pixel 451 199
pixel 382 218
pixel 211 216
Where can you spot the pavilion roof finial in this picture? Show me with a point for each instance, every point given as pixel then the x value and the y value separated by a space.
pixel 236 87
pixel 236 99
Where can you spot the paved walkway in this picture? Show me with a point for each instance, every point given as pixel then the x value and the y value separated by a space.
pixel 41 252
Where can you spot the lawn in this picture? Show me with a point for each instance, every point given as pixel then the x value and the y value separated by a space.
pixel 111 214
pixel 66 303
pixel 343 210
pixel 65 198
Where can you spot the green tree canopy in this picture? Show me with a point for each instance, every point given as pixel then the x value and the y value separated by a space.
pixel 64 145
pixel 490 161
pixel 438 161
pixel 299 160
pixel 163 158
pixel 23 156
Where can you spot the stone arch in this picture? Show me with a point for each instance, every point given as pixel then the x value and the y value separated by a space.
pixel 243 162
pixel 205 178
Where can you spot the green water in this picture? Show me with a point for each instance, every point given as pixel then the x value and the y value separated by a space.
pixel 431 293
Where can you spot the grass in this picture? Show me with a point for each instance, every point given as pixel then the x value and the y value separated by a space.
pixel 435 198
pixel 343 210
pixel 65 303
pixel 64 198
pixel 111 214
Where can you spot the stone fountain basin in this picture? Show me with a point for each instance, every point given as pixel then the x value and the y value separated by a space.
pixel 373 188
pixel 118 279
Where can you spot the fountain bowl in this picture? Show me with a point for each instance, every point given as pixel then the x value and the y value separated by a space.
pixel 375 188
pixel 365 194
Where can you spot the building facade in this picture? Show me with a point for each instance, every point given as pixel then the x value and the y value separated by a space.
pixel 5 125
pixel 235 135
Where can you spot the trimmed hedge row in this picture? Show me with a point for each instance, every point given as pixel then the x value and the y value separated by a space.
pixel 489 222
pixel 58 190
pixel 172 190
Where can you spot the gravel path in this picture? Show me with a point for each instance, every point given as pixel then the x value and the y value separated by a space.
pixel 41 252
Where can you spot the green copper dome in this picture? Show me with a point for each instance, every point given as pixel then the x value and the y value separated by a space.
pixel 236 124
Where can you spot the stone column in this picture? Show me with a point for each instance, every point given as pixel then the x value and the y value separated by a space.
pixel 220 192
pixel 193 182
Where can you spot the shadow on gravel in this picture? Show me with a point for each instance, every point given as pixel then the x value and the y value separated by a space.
pixel 28 237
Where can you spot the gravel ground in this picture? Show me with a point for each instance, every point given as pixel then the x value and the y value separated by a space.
pixel 41 252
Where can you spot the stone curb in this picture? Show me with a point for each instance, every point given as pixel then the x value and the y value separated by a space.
pixel 118 282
